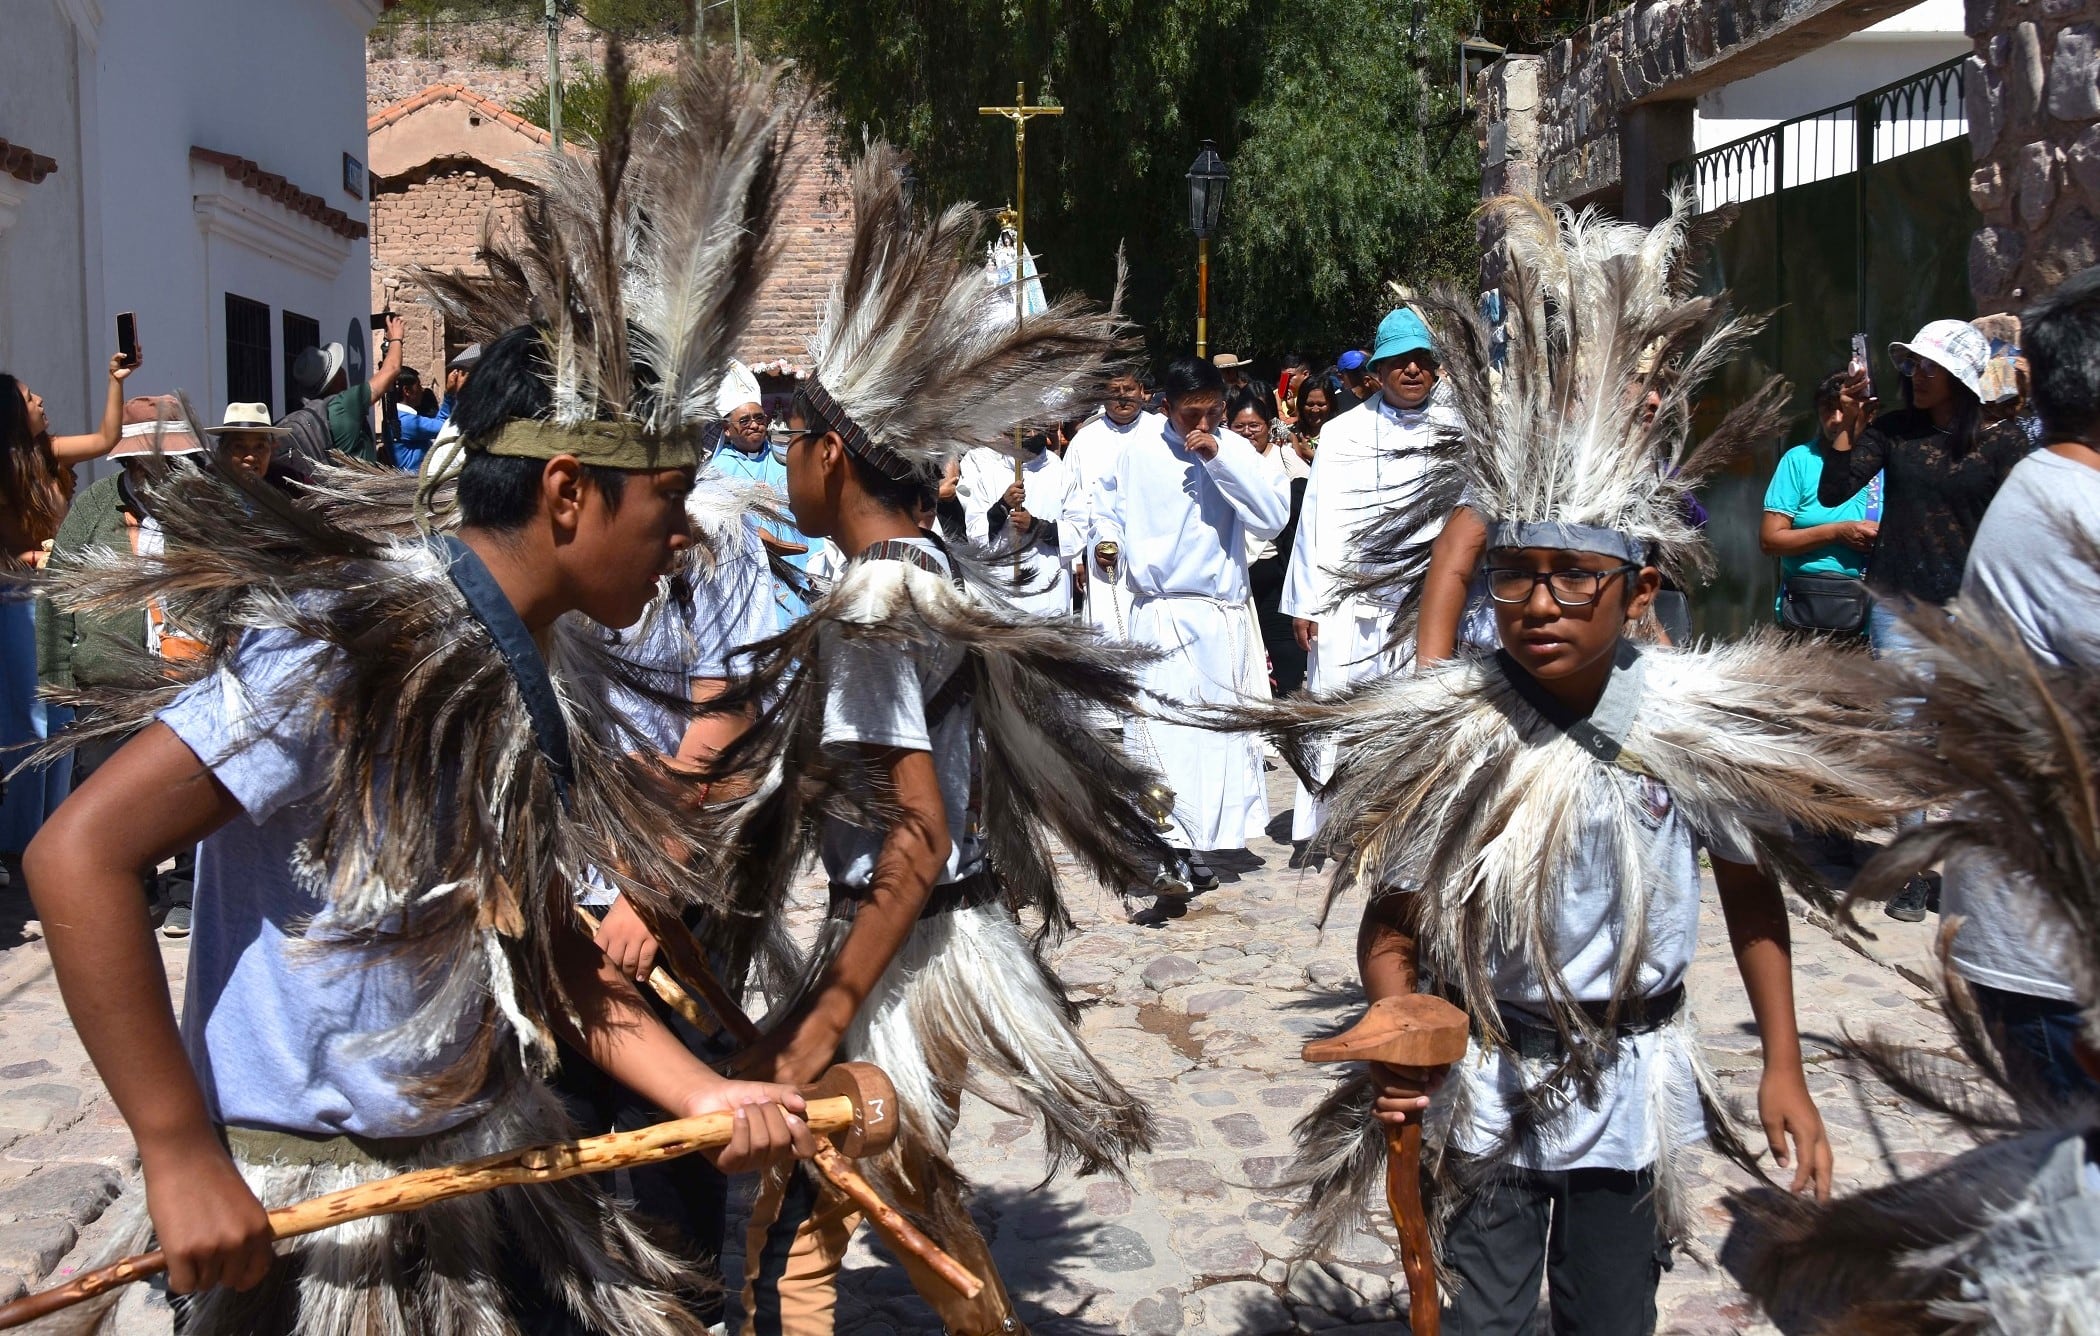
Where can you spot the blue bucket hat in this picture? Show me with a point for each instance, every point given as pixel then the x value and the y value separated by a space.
pixel 1402 331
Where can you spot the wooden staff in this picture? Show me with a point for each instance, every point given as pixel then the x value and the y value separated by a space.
pixel 854 1101
pixel 1415 1030
pixel 686 974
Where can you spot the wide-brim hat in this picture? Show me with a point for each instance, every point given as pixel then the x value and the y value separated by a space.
pixel 1955 346
pixel 315 367
pixel 1402 331
pixel 247 420
pixel 1228 361
pixel 466 359
pixel 154 422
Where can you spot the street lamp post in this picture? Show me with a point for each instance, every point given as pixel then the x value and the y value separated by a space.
pixel 1207 178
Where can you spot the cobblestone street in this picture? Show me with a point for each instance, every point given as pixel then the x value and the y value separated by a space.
pixel 1203 1016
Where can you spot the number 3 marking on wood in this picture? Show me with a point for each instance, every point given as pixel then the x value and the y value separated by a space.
pixel 875 1105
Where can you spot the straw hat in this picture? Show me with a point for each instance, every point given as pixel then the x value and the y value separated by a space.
pixel 248 420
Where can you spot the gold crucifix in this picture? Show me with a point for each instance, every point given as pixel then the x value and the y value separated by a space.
pixel 1019 113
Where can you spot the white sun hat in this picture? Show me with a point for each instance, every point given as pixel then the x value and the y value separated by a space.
pixel 1955 346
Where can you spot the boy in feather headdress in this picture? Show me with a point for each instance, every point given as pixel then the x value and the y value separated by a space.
pixel 1528 826
pixel 401 759
pixel 926 737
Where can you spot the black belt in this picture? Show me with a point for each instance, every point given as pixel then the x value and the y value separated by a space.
pixel 1533 1036
pixel 976 889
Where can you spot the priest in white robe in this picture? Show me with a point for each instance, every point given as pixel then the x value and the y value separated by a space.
pixel 1182 506
pixel 1094 455
pixel 1370 460
pixel 1022 519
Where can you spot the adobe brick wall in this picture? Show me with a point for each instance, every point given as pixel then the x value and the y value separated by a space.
pixel 437 221
pixel 816 220
pixel 434 221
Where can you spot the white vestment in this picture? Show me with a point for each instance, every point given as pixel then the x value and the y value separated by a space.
pixel 1045 584
pixel 1183 525
pixel 1368 463
pixel 1095 453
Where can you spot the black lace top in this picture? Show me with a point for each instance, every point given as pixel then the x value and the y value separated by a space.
pixel 1933 497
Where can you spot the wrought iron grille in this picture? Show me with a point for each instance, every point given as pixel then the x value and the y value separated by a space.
pixel 1888 122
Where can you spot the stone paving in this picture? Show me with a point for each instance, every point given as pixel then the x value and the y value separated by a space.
pixel 1203 1016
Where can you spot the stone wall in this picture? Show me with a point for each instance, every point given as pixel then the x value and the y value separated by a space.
pixel 2034 131
pixel 816 226
pixel 434 220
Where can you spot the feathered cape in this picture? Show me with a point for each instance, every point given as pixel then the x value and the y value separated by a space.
pixel 1453 787
pixel 1033 684
pixel 440 833
pixel 2001 1239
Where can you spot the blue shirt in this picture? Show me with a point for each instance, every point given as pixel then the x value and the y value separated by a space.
pixel 1792 493
pixel 417 432
pixel 278 1022
pixel 767 468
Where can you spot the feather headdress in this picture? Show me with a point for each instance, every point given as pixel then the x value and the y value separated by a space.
pixel 639 261
pixel 917 361
pixel 453 828
pixel 1580 436
pixel 2003 1238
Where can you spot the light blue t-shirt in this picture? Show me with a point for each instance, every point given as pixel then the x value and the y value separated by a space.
pixel 767 468
pixel 1792 493
pixel 272 1024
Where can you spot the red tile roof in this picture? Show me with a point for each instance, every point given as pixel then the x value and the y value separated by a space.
pixel 25 164
pixel 250 173
pixel 394 111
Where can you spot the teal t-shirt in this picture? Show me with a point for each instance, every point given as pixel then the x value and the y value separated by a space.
pixel 1792 493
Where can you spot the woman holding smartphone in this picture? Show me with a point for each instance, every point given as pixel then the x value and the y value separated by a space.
pixel 36 487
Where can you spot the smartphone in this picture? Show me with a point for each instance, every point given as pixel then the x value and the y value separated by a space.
pixel 1859 358
pixel 379 319
pixel 128 337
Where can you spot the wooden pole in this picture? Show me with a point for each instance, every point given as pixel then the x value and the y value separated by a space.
pixel 1202 298
pixel 426 1187
pixel 689 976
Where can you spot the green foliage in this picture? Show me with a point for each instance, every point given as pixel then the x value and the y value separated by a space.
pixel 1351 165
pixel 583 98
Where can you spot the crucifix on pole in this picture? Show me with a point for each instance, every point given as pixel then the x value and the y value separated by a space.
pixel 1019 113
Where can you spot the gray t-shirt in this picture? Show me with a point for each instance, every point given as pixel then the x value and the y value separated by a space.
pixel 876 696
pixel 2026 567
pixel 274 1025
pixel 1647 1098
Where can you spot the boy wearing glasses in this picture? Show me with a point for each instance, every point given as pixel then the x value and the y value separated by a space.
pixel 1527 825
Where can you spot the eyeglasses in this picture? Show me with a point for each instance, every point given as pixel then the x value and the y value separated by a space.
pixel 750 420
pixel 782 435
pixel 1570 589
pixel 1912 367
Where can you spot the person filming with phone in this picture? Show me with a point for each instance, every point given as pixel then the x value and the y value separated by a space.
pixel 1941 465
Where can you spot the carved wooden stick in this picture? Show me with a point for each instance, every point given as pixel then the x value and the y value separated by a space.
pixel 688 976
pixel 1415 1030
pixel 854 1101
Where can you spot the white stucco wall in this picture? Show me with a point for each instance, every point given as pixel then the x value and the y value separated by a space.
pixel 281 82
pixel 1894 49
pixel 44 300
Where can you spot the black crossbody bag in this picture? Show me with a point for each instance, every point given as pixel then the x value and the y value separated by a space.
pixel 1826 604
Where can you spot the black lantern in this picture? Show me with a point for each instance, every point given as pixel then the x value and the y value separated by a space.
pixel 1207 178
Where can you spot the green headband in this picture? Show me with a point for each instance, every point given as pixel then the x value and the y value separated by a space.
pixel 613 445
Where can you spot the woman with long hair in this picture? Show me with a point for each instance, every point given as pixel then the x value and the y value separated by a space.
pixel 36 486
pixel 1250 412
pixel 1941 463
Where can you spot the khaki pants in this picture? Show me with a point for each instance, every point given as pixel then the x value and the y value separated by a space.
pixel 807 1288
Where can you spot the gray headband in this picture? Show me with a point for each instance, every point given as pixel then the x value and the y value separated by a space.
pixel 1571 537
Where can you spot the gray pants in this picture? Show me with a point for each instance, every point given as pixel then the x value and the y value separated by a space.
pixel 1591 1234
